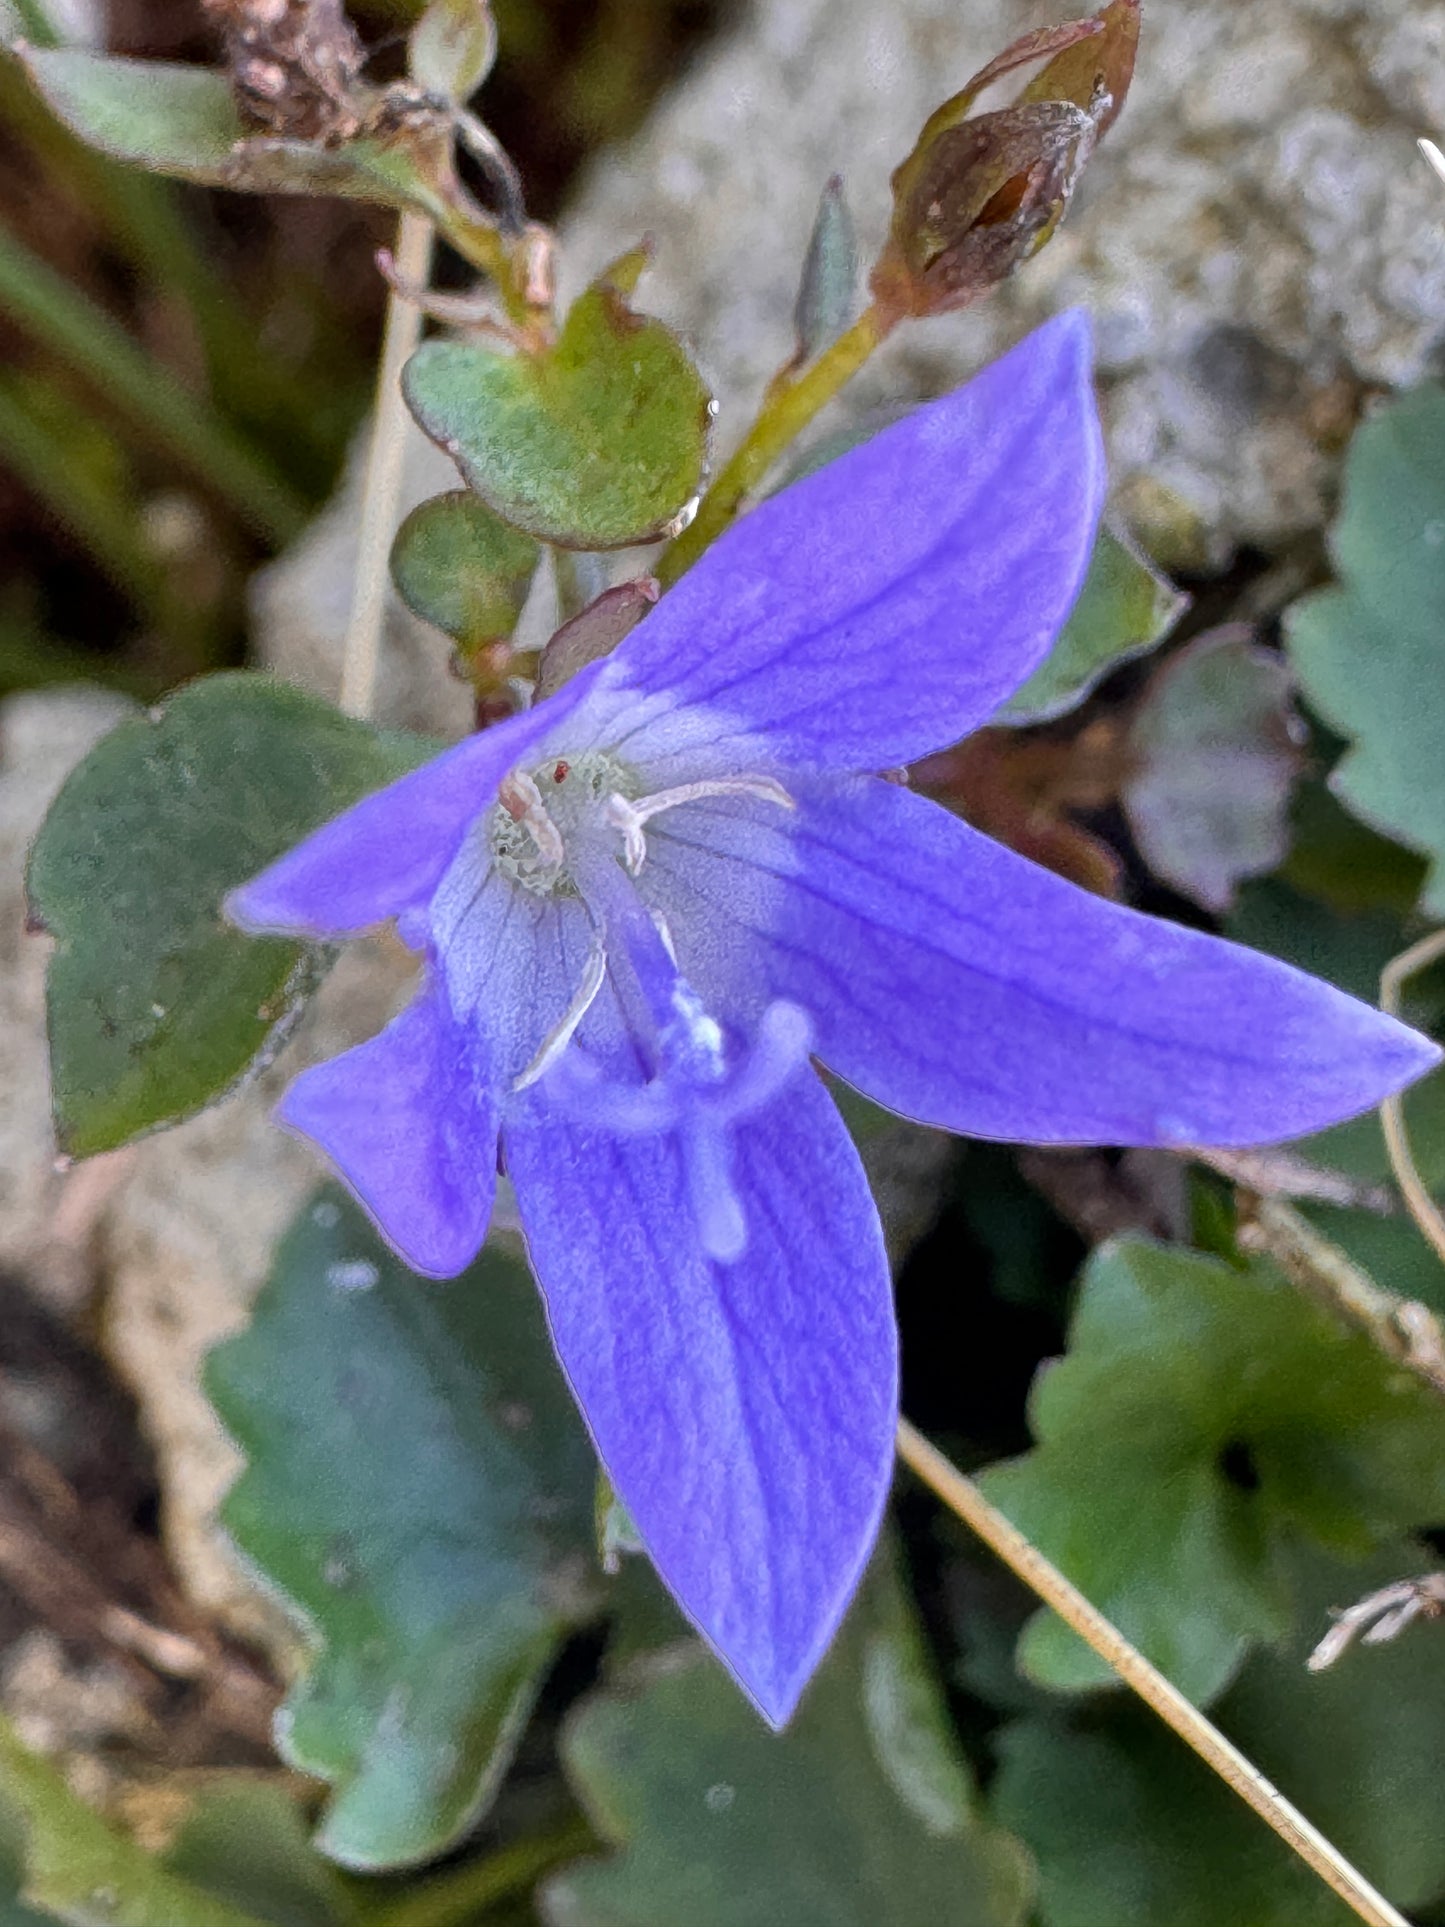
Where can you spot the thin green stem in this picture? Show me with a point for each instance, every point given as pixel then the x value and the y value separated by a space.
pixel 457 1899
pixel 788 407
pixel 67 325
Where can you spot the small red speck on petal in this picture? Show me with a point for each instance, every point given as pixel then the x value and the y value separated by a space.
pixel 561 772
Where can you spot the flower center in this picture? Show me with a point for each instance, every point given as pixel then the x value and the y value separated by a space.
pixel 545 817
pixel 538 813
pixel 577 826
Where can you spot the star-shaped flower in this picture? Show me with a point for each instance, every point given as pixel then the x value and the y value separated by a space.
pixel 646 906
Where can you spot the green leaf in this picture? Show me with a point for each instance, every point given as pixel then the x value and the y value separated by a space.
pixel 1341 861
pixel 77 1870
pixel 184 121
pixel 1205 1419
pixel 420 1489
pixel 1128 1826
pixel 1368 652
pixel 156 1005
pixel 597 443
pixel 1124 608
pixel 859 1815
pixel 828 288
pixel 457 566
pixel 246 1842
pixel 452 47
pixel 1213 752
pixel 13 1911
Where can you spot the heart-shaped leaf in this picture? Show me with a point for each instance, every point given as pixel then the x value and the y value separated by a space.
pixel 156 1005
pixel 1205 1419
pixel 860 1815
pixel 457 566
pixel 598 442
pixel 420 1488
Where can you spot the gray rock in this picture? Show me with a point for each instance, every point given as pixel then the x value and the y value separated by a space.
pixel 1257 239
pixel 42 737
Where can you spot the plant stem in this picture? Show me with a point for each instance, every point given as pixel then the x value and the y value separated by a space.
pixel 70 327
pixel 1421 1206
pixel 460 1898
pixel 381 491
pixel 787 408
pixel 1404 1330
pixel 963 1498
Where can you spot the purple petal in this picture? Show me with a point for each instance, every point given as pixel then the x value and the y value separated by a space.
pixel 745 1412
pixel 387 854
pixel 956 982
pixel 886 605
pixel 413 1132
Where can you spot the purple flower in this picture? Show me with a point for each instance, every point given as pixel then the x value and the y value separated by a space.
pixel 647 905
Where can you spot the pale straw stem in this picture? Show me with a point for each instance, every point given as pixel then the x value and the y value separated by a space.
pixel 963 1498
pixel 381 493
pixel 1418 1202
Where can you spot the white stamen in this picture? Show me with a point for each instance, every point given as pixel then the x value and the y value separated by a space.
pixel 630 815
pixel 522 800
pixel 594 975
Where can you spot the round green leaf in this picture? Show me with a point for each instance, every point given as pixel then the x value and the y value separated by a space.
pixel 457 566
pixel 596 444
pixel 156 1005
pixel 420 1488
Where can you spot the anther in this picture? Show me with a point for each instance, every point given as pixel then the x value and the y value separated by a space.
pixel 631 815
pixel 522 800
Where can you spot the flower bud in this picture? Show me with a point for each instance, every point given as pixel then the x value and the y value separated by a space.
pixel 979 195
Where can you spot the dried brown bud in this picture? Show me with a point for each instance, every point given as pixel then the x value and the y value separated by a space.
pixel 978 196
pixel 594 632
pixel 295 65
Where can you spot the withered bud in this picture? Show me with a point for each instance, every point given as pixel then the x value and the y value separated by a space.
pixel 594 632
pixel 295 66
pixel 978 196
